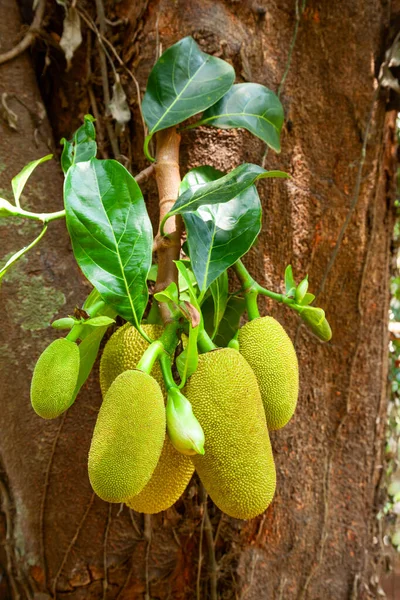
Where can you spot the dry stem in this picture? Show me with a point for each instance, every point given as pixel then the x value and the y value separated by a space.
pixel 168 181
pixel 30 36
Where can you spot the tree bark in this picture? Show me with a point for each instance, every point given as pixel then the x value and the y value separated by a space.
pixel 317 538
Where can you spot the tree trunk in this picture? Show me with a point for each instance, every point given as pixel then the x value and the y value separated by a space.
pixel 333 220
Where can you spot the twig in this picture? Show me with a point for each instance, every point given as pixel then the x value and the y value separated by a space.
pixel 29 37
pixel 6 509
pixel 145 175
pixel 72 543
pixel 168 181
pixel 299 13
pixel 103 40
pixel 134 524
pixel 44 497
pixel 212 563
pixel 198 594
pixel 104 73
pixel 147 537
pixel 105 580
pixel 92 96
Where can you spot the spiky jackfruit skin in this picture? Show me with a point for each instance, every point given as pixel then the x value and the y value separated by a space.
pixel 237 469
pixel 270 353
pixel 123 351
pixel 128 437
pixel 167 484
pixel 54 379
pixel 174 470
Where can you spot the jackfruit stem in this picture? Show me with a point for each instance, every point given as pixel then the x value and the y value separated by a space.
pixel 153 352
pixel 166 368
pixel 204 341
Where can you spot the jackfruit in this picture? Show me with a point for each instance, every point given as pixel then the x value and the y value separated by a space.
pixel 123 351
pixel 128 437
pixel 167 484
pixel 173 472
pixel 270 353
pixel 54 379
pixel 237 468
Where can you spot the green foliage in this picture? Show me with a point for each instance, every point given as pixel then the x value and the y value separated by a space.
pixel 111 233
pixel 82 147
pixel 251 106
pixel 184 82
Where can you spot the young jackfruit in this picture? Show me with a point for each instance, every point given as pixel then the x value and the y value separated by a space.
pixel 167 484
pixel 270 353
pixel 123 351
pixel 173 472
pixel 128 437
pixel 237 468
pixel 54 379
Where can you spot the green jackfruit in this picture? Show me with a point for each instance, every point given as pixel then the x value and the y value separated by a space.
pixel 237 468
pixel 123 351
pixel 128 437
pixel 167 484
pixel 269 351
pixel 54 379
pixel 173 472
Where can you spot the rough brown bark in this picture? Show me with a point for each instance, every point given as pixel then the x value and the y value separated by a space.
pixel 316 540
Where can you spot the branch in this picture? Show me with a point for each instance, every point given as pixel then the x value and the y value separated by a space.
pixel 168 181
pixel 30 36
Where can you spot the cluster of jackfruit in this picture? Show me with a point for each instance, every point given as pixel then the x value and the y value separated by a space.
pixel 236 397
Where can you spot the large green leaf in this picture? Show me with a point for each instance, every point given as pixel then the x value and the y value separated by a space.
pixel 19 181
pixel 183 82
pixel 82 147
pixel 230 321
pixel 219 292
pixel 218 234
pixel 223 189
pixel 111 233
pixel 251 106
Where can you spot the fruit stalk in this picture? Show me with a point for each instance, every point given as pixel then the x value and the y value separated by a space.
pixel 168 180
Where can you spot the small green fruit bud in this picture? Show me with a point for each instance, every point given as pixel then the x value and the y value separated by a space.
pixel 7 209
pixel 64 323
pixel 54 379
pixel 184 430
pixel 316 321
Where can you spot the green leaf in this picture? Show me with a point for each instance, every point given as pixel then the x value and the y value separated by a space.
pixel 82 147
pixel 301 290
pixel 64 323
pixel 100 321
pixel 183 82
pixel 223 189
pixel 251 106
pixel 219 234
pixel 15 257
pixel 152 275
pixel 88 350
pixel 19 181
pixel 290 283
pixel 188 360
pixel 111 233
pixel 230 321
pixel 308 298
pixel 170 294
pixel 187 277
pixel 219 292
